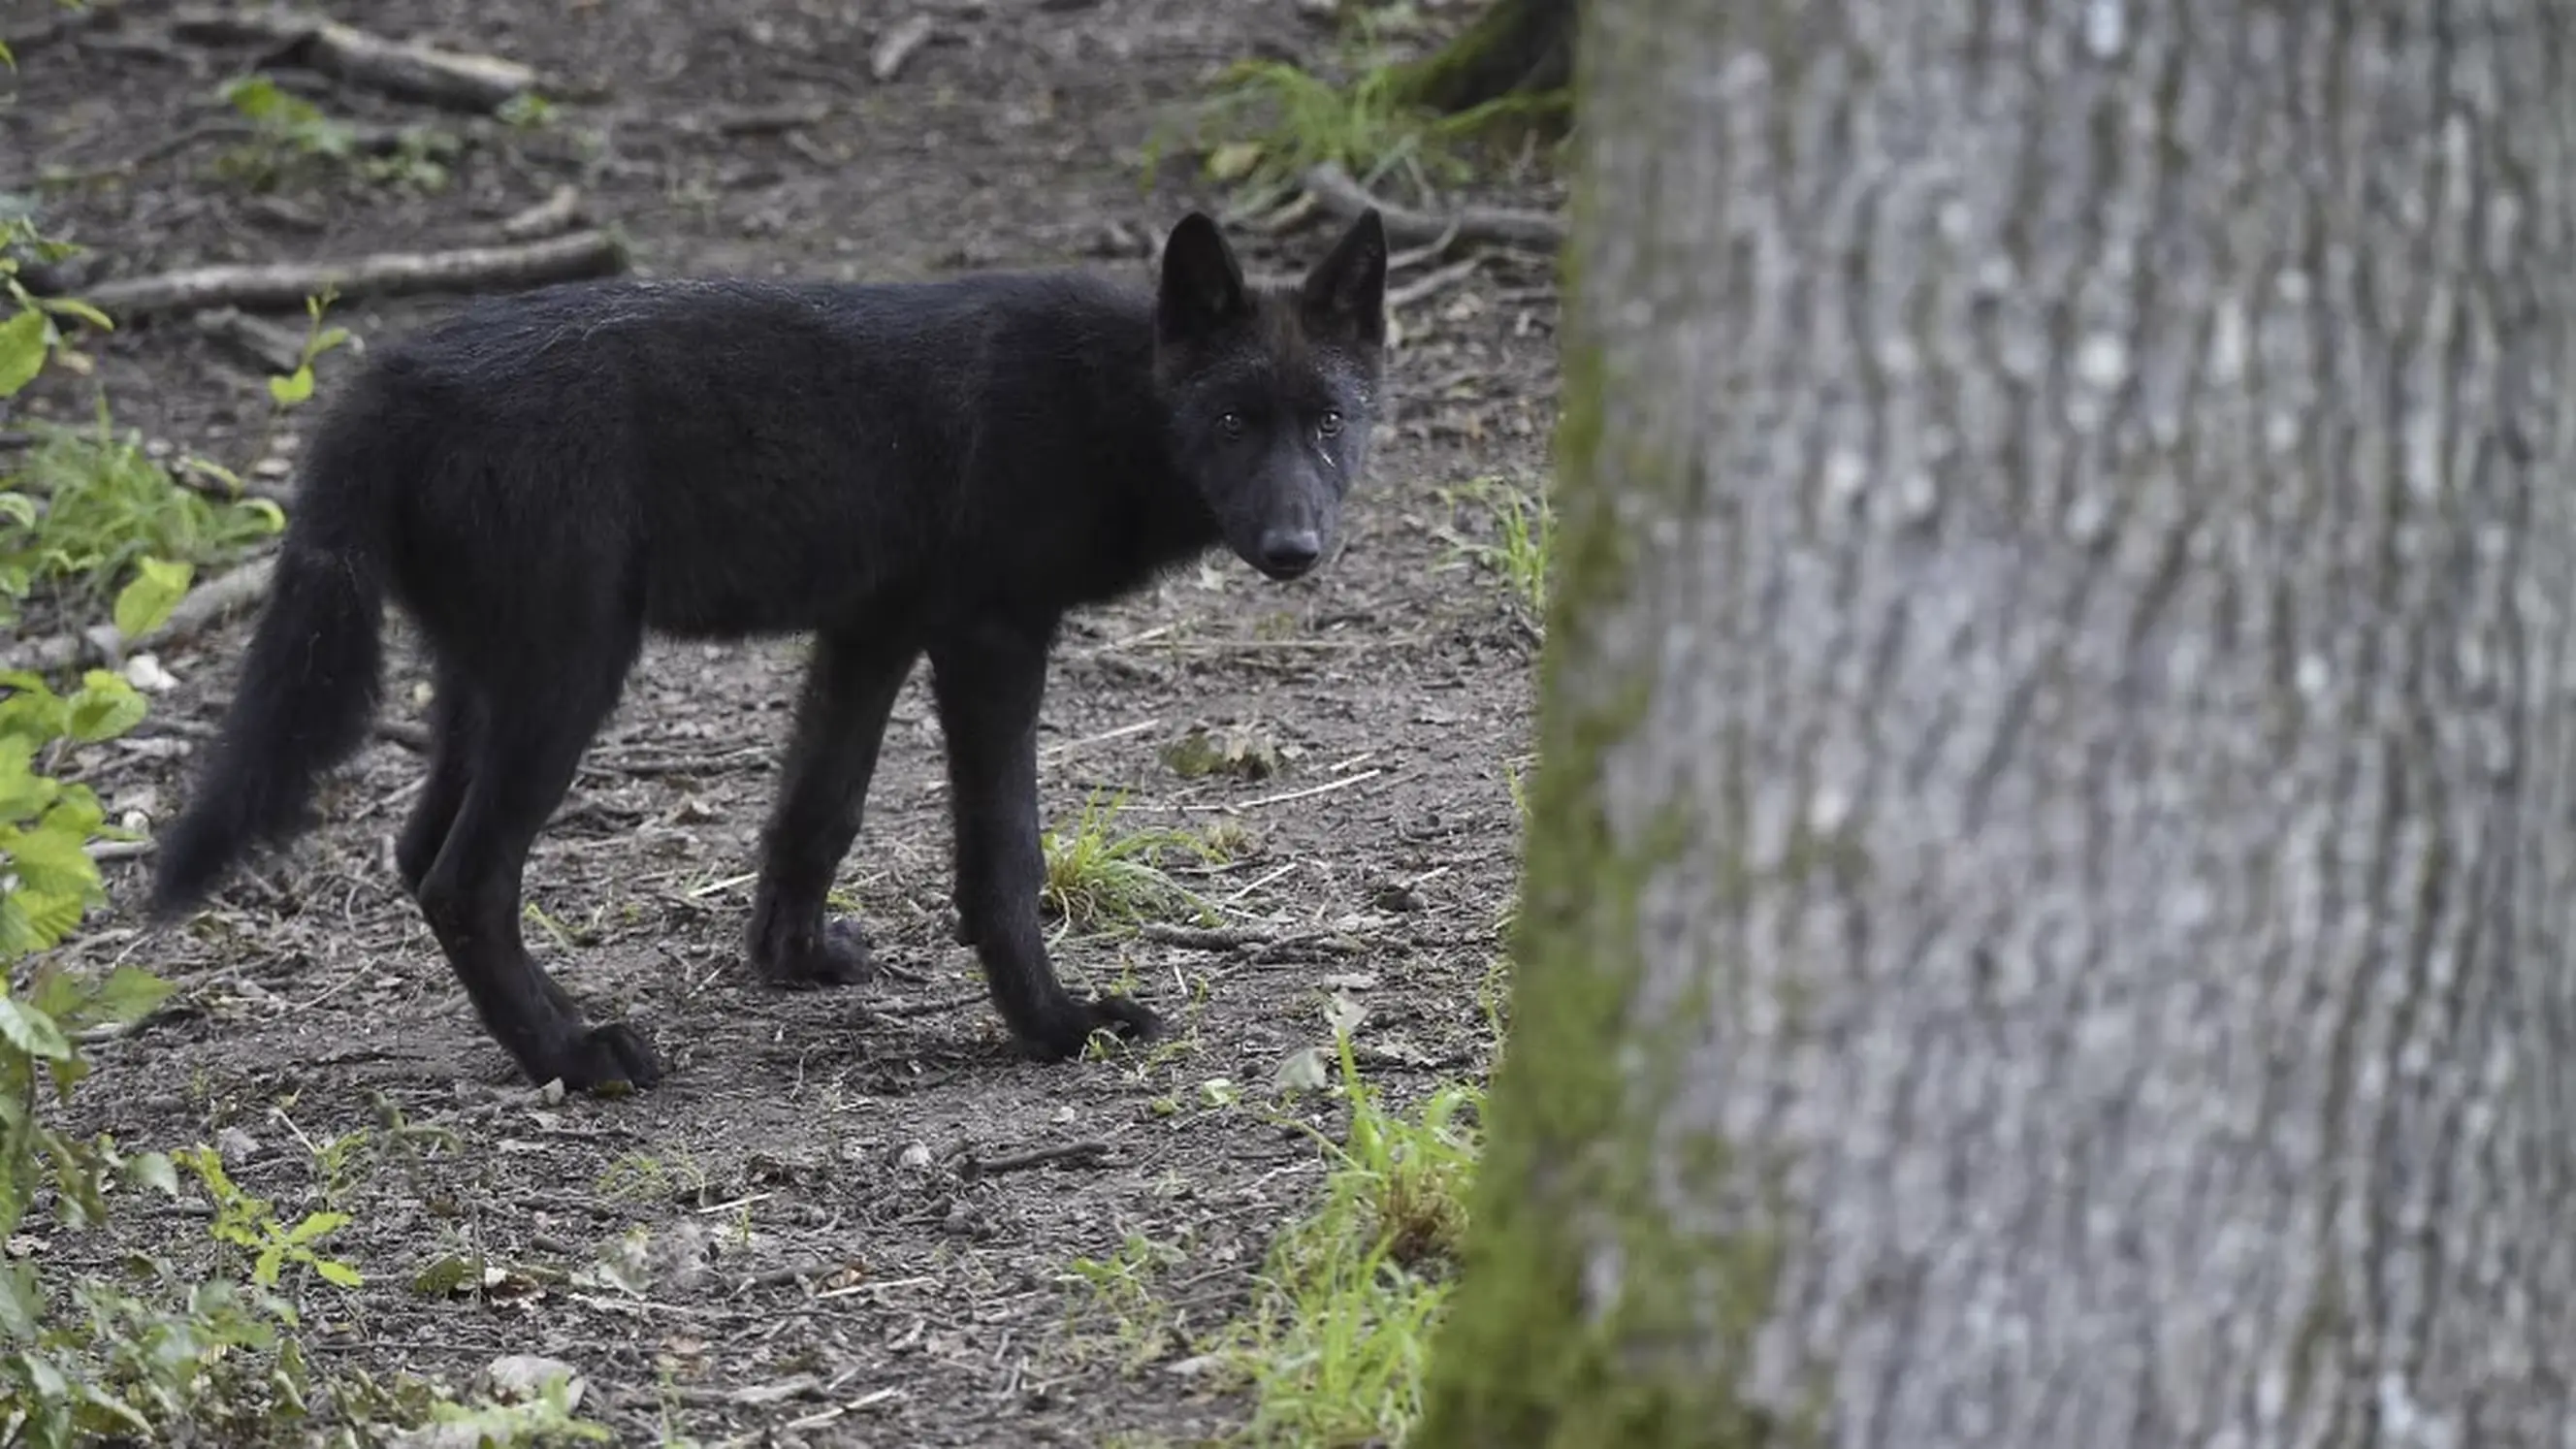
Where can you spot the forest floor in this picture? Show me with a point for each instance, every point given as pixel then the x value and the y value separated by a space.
pixel 804 1230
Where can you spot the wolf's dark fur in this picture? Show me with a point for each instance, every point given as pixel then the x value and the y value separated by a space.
pixel 940 469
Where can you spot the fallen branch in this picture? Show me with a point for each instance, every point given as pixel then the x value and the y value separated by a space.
pixel 206 605
pixel 403 69
pixel 1292 213
pixel 1084 1153
pixel 287 284
pixel 1411 257
pixel 645 765
pixel 1431 284
pixel 1335 190
pixel 556 212
pixel 264 344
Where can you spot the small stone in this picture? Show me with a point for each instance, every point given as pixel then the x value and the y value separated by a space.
pixel 145 673
pixel 1303 1070
pixel 1396 895
pixel 518 1377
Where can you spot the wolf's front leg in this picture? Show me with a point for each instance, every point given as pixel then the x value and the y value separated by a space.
pixel 987 681
pixel 850 688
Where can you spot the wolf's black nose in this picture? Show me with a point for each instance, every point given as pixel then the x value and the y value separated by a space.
pixel 1288 552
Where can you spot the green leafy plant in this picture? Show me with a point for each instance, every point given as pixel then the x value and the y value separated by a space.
pixel 46 825
pixel 109 1363
pixel 526 111
pixel 31 331
pixel 89 510
pixel 156 1354
pixel 292 389
pixel 84 511
pixel 289 132
pixel 130 1365
pixel 545 1417
pixel 1118 1308
pixel 116 1363
pixel 250 1223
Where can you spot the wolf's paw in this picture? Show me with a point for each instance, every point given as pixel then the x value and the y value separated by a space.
pixel 837 956
pixel 605 1059
pixel 1065 1031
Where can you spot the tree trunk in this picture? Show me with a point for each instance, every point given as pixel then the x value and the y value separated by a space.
pixel 1515 47
pixel 2053 856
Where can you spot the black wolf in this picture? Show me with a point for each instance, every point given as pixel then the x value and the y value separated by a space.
pixel 938 469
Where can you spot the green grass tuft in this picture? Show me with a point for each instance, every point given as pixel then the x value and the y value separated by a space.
pixel 1098 875
pixel 1338 1338
pixel 1265 123
pixel 1514 540
pixel 87 506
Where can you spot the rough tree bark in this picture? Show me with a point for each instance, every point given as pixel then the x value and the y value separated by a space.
pixel 1514 46
pixel 2050 881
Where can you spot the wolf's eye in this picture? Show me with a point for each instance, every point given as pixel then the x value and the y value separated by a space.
pixel 1231 423
pixel 1330 423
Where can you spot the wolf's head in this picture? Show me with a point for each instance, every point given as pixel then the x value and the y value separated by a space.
pixel 1272 393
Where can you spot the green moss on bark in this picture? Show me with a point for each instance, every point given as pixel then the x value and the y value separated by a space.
pixel 1525 1358
pixel 1516 47
pixel 1521 1361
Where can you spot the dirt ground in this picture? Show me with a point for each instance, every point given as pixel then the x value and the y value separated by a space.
pixel 823 1253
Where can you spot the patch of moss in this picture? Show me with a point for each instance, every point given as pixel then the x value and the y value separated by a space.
pixel 1523 1359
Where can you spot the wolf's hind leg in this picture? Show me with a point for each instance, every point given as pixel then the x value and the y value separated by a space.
pixel 530 739
pixel 849 690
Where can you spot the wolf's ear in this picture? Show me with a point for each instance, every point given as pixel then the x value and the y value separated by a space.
pixel 1345 296
pixel 1202 286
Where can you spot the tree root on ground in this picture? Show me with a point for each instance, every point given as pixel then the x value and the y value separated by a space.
pixel 1336 192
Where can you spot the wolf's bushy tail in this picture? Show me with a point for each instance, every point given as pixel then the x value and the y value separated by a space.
pixel 308 687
